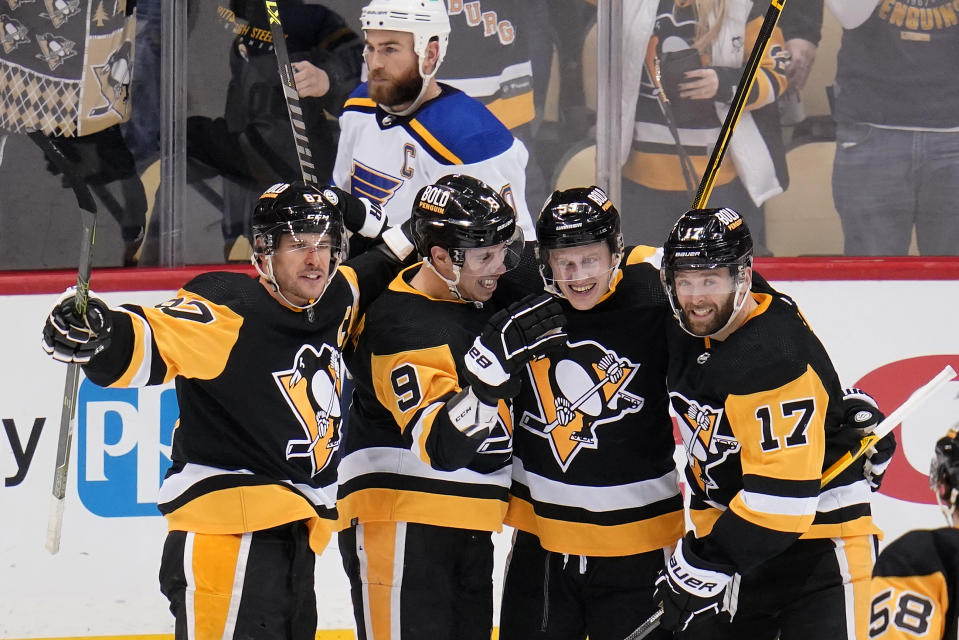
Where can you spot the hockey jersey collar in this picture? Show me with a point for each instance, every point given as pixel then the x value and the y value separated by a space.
pixel 763 300
pixel 401 284
pixel 387 120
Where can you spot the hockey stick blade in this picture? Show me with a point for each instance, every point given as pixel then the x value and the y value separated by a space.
pixel 883 429
pixel 293 108
pixel 68 411
pixel 738 102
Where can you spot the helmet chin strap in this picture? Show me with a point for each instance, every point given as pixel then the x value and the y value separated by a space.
pixel 617 258
pixel 419 98
pixel 948 510
pixel 451 284
pixel 268 275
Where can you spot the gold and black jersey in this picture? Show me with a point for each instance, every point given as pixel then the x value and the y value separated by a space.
pixel 653 159
pixel 914 588
pixel 760 415
pixel 258 386
pixel 593 468
pixel 396 465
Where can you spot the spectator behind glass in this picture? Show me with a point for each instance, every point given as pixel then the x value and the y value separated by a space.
pixel 49 53
pixel 252 145
pixel 897 138
pixel 801 24
pixel 701 63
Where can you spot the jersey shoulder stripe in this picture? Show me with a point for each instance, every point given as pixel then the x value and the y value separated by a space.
pixel 439 126
pixel 359 100
pixel 643 253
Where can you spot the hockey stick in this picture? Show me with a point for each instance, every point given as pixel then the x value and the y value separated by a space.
pixel 739 101
pixel 579 401
pixel 88 216
pixel 883 429
pixel 665 107
pixel 712 169
pixel 293 107
pixel 68 414
pixel 647 627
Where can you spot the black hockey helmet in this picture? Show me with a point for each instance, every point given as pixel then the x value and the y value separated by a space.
pixel 296 208
pixel 944 473
pixel 460 212
pixel 574 218
pixel 707 239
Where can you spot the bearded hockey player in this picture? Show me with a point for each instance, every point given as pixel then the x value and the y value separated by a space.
pixel 760 410
pixel 402 130
pixel 595 494
pixel 425 470
pixel 915 584
pixel 249 498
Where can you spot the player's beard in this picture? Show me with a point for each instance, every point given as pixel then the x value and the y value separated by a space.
pixel 718 320
pixel 398 91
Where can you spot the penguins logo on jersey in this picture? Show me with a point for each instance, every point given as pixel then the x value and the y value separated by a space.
pixel 54 49
pixel 114 79
pixel 367 182
pixel 577 394
pixel 705 447
pixel 312 390
pixel 12 33
pixel 59 11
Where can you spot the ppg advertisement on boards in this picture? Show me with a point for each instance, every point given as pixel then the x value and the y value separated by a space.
pixel 888 337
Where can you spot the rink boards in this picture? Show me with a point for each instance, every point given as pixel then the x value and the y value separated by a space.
pixel 889 325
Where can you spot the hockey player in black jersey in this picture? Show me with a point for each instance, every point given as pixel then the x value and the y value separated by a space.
pixel 760 409
pixel 250 495
pixel 915 584
pixel 595 494
pixel 425 471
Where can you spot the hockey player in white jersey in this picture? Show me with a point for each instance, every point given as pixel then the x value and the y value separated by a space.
pixel 402 130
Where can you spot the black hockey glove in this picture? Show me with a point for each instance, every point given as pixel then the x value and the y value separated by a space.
pixel 512 337
pixel 861 412
pixel 68 337
pixel 361 216
pixel 692 589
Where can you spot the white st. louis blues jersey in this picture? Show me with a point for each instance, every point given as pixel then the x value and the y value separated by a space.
pixel 388 158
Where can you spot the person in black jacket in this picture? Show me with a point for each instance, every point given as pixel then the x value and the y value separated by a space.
pixel 252 145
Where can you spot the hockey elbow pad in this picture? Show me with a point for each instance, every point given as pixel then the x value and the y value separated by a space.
pixel 399 240
pixel 471 416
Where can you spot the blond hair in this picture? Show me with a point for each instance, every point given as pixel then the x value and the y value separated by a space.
pixel 711 14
